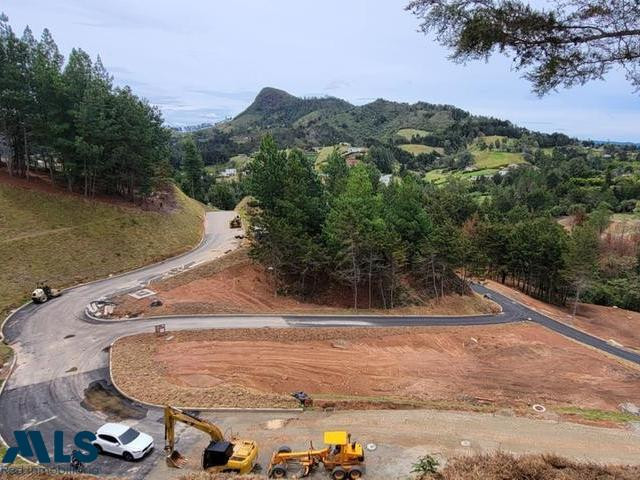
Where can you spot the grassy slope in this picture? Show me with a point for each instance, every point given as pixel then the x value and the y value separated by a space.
pixel 324 153
pixel 409 133
pixel 417 148
pixel 492 159
pixel 66 240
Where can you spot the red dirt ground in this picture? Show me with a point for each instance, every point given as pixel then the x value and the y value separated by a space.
pixel 503 365
pixel 608 323
pixel 233 284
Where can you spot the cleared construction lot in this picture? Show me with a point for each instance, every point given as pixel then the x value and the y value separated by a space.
pixel 481 368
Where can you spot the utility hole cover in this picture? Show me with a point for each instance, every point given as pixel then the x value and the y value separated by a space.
pixel 539 408
pixel 143 293
pixel 371 446
pixel 465 443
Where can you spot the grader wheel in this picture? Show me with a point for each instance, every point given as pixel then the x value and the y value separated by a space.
pixel 278 472
pixel 355 473
pixel 339 473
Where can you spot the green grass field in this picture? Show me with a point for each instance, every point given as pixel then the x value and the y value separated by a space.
pixel 416 148
pixel 324 153
pixel 66 240
pixel 437 176
pixel 409 133
pixel 598 415
pixel 491 139
pixel 493 159
pixel 479 173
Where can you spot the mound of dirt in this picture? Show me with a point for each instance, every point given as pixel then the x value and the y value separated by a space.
pixel 234 284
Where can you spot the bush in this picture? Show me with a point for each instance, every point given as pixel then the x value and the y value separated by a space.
pixel 425 466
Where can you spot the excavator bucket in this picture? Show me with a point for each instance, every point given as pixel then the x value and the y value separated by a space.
pixel 176 459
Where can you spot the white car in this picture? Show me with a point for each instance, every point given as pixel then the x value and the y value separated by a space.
pixel 123 440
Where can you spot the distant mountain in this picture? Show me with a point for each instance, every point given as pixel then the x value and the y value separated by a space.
pixel 316 122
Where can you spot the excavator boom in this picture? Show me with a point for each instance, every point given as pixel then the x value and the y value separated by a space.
pixel 237 457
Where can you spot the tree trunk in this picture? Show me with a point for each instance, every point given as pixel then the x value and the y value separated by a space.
pixel 26 150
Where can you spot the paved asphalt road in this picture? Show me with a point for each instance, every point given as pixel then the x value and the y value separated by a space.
pixel 61 354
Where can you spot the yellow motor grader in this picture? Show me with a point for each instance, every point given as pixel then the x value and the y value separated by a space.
pixel 220 456
pixel 341 457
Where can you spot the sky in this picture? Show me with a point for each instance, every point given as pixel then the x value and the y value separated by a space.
pixel 205 60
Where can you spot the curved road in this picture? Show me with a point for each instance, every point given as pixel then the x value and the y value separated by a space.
pixel 60 354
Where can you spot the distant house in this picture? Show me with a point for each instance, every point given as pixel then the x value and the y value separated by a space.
pixel 351 160
pixel 385 179
pixel 355 150
pixel 229 172
pixel 353 154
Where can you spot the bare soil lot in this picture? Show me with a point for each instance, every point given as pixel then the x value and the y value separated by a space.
pixel 511 366
pixel 608 323
pixel 233 284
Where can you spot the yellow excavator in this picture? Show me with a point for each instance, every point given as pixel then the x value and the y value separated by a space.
pixel 342 458
pixel 221 456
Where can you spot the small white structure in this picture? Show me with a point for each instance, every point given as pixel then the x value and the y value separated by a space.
pixel 385 179
pixel 229 172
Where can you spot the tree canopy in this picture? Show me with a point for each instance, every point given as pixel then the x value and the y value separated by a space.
pixel 563 43
pixel 68 119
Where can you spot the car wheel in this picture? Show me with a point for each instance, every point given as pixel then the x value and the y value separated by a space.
pixel 98 448
pixel 127 456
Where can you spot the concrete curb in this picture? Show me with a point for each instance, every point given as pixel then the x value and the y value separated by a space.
pixel 354 316
pixel 182 407
pixel 277 315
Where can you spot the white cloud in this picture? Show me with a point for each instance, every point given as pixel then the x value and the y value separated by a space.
pixel 199 58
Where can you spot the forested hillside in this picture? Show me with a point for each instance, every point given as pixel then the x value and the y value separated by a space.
pixel 66 118
pixel 387 242
pixel 306 123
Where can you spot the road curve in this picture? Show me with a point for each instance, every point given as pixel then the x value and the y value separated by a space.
pixel 60 354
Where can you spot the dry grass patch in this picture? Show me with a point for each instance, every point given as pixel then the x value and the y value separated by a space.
pixel 503 466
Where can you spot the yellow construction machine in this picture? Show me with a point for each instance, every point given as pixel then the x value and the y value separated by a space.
pixel 235 222
pixel 341 457
pixel 221 456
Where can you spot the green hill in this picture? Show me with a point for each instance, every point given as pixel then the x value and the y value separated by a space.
pixel 65 239
pixel 307 122
pixel 311 123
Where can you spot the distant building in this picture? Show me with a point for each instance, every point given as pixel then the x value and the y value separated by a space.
pixel 385 179
pixel 351 160
pixel 352 155
pixel 229 172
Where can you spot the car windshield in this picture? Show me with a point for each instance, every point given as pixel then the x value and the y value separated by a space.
pixel 129 436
